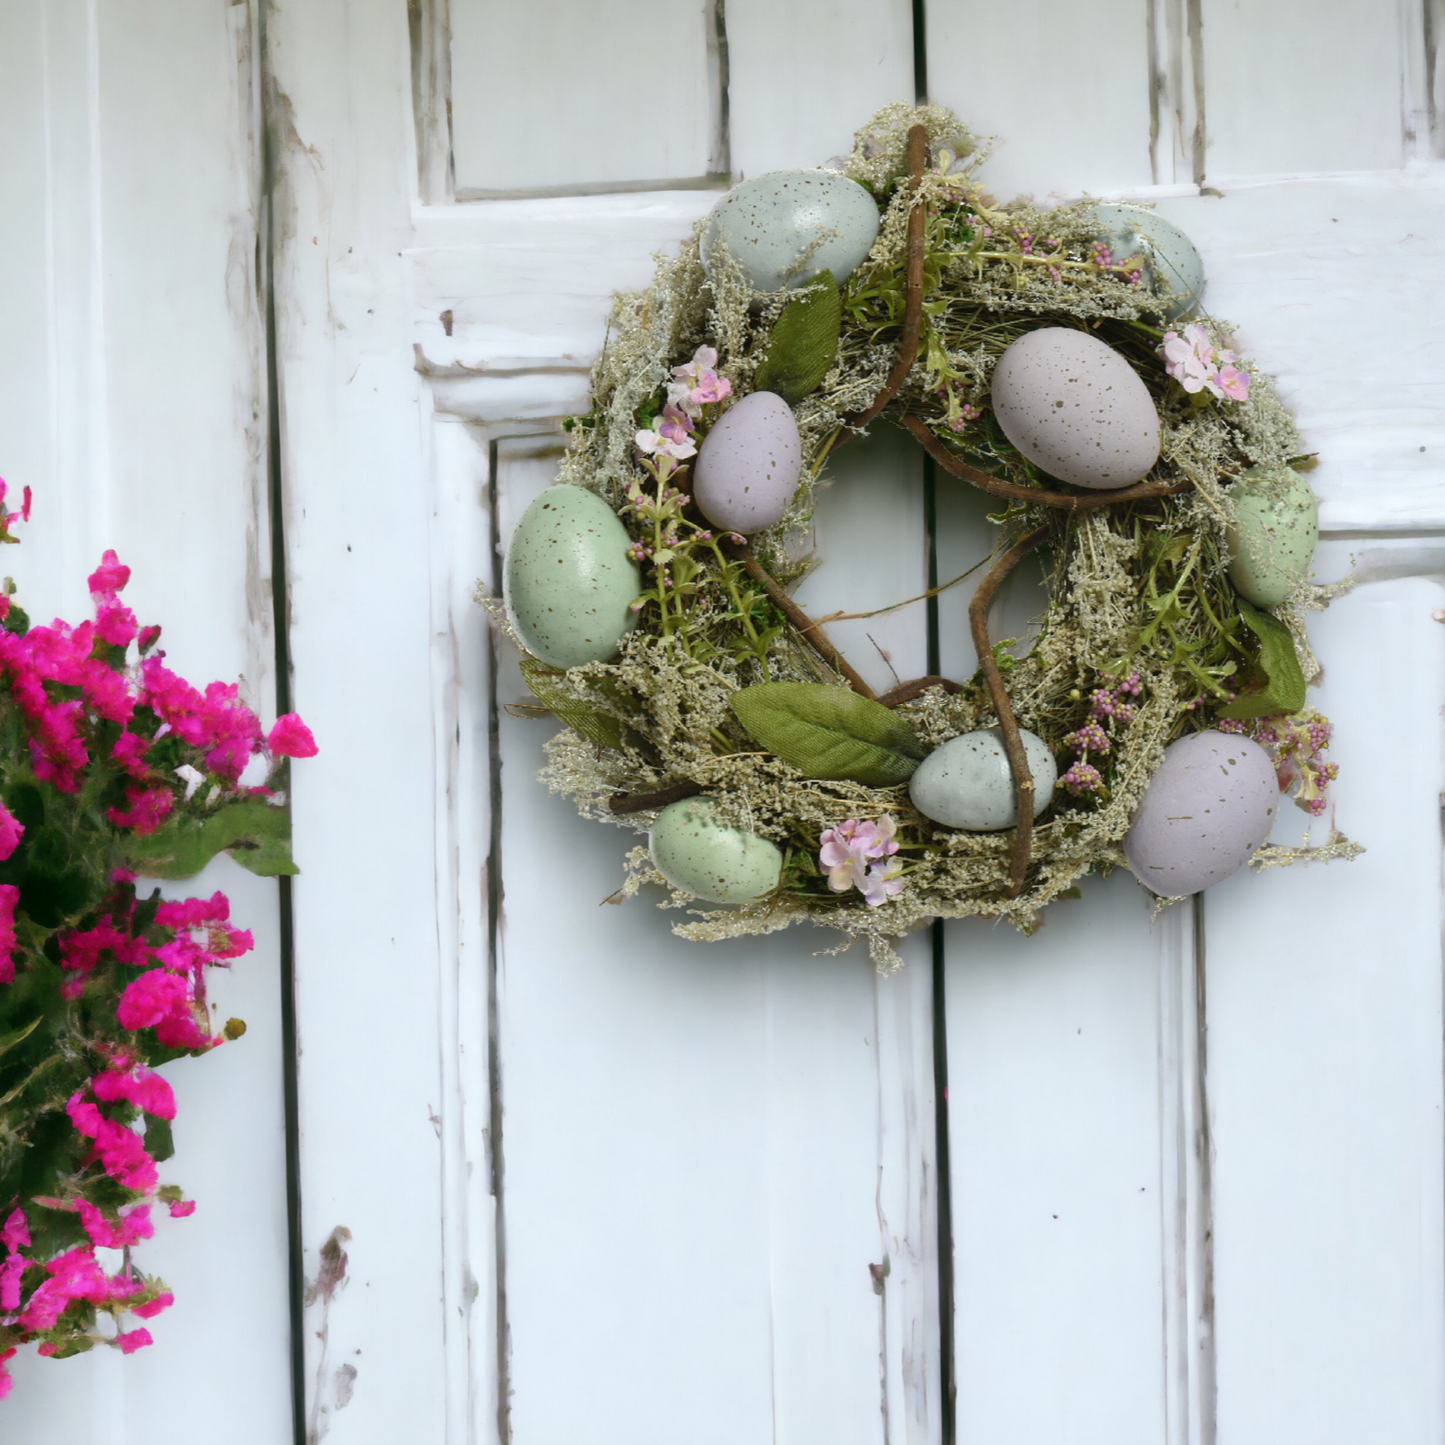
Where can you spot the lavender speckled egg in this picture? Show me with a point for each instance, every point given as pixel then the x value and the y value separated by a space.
pixel 967 782
pixel 1272 539
pixel 719 864
pixel 568 582
pixel 747 468
pixel 786 226
pixel 1171 264
pixel 1204 814
pixel 1076 408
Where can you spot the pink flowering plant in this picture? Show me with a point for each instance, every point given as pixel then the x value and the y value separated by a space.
pixel 861 855
pixel 1201 368
pixel 112 767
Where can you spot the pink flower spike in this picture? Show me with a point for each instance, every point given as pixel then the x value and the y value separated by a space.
pixel 110 577
pixel 25 505
pixel 290 738
pixel 9 897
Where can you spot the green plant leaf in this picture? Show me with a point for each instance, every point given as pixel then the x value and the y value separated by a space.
pixel 158 1141
pixel 597 727
pixel 255 834
pixel 830 732
pixel 804 342
pixel 1275 684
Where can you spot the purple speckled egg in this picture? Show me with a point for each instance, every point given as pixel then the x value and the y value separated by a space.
pixel 1076 408
pixel 747 469
pixel 1204 814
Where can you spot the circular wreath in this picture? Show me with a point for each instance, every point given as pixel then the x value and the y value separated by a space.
pixel 112 768
pixel 1145 637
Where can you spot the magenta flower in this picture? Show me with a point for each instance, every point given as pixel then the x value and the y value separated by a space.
pixel 290 738
pixel 1082 778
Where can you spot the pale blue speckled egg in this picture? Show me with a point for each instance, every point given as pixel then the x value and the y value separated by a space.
pixel 967 782
pixel 748 467
pixel 1171 264
pixel 1204 814
pixel 568 582
pixel 786 226
pixel 719 864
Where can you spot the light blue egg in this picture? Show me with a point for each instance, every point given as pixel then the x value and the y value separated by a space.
pixel 1171 264
pixel 701 856
pixel 967 782
pixel 786 226
pixel 568 582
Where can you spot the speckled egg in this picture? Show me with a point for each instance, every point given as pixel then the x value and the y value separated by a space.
pixel 1272 539
pixel 1170 261
pixel 786 226
pixel 967 782
pixel 722 865
pixel 568 582
pixel 1205 812
pixel 747 468
pixel 1076 408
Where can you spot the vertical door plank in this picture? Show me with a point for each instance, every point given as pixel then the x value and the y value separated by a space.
pixel 1305 85
pixel 1065 89
pixel 529 85
pixel 376 997
pixel 804 76
pixel 132 401
pixel 1324 1078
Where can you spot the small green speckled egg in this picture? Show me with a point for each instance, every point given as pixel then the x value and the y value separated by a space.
pixel 1170 261
pixel 568 582
pixel 1272 540
pixel 712 862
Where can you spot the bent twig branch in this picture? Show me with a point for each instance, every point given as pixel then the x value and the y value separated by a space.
pixel 1013 742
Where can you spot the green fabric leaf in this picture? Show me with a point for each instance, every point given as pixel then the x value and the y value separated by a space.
pixel 804 342
pixel 597 727
pixel 1275 684
pixel 255 834
pixel 830 732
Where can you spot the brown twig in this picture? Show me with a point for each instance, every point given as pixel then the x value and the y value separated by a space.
pixel 907 691
pixel 1016 491
pixel 811 633
pixel 622 803
pixel 913 308
pixel 1018 759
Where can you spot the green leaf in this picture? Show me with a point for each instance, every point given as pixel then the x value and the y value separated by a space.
pixel 804 342
pixel 597 727
pixel 159 1144
pixel 1275 684
pixel 830 732
pixel 257 836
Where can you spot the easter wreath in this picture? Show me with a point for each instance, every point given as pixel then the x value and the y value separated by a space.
pixel 1055 359
pixel 112 768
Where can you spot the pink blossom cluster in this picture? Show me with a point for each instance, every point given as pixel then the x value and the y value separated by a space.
pixel 1192 360
pixel 1297 745
pixel 695 386
pixel 1108 704
pixel 97 699
pixel 860 855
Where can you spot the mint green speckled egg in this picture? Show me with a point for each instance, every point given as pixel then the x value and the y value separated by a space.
pixel 568 582
pixel 702 857
pixel 1272 539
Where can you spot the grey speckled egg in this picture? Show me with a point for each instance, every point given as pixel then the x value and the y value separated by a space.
pixel 1171 264
pixel 747 469
pixel 786 226
pixel 1272 539
pixel 1076 408
pixel 568 582
pixel 967 782
pixel 700 856
pixel 1205 812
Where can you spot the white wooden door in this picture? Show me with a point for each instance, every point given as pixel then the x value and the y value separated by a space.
pixel 565 1177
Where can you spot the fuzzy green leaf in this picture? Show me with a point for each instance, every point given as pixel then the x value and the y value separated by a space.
pixel 804 342
pixel 255 834
pixel 597 727
pixel 830 732
pixel 1275 684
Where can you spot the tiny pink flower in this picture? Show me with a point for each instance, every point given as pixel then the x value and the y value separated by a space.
pixel 133 1340
pixel 11 832
pixel 290 738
